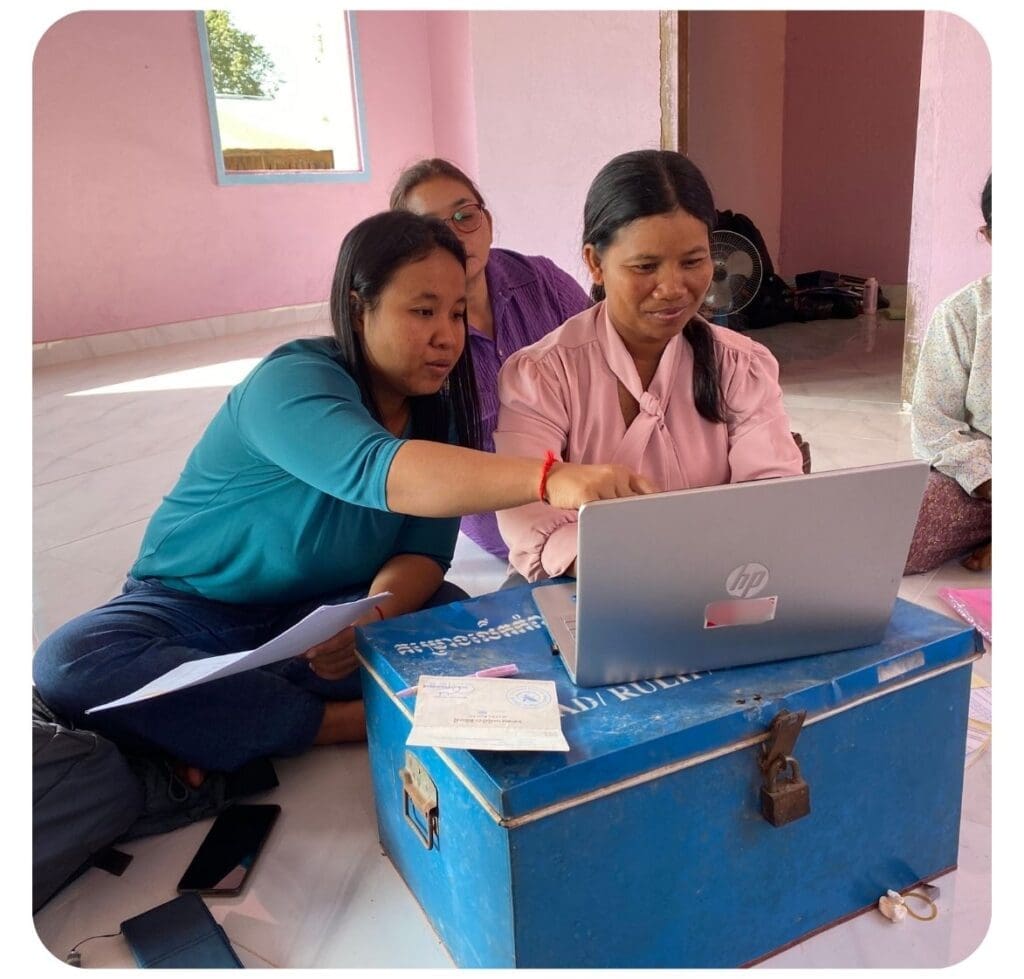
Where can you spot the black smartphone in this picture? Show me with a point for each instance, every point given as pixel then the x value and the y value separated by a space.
pixel 226 855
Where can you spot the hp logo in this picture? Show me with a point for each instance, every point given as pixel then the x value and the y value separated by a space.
pixel 747 580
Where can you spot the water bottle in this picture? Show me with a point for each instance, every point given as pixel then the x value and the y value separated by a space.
pixel 869 304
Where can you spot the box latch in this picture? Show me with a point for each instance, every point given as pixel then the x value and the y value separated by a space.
pixel 419 788
pixel 785 796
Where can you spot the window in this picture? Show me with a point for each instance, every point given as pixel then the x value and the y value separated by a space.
pixel 282 83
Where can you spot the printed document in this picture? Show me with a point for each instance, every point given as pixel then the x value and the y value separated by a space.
pixel 319 625
pixel 493 714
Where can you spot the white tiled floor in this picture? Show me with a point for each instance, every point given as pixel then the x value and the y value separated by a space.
pixel 110 436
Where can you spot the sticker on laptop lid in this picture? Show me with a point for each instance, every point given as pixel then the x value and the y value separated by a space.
pixel 739 611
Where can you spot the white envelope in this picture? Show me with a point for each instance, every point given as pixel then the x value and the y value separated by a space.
pixel 486 713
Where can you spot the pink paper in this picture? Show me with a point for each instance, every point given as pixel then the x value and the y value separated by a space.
pixel 973 605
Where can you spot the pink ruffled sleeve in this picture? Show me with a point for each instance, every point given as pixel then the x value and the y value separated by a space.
pixel 760 438
pixel 533 417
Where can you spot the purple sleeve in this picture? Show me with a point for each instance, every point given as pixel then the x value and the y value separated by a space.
pixel 571 297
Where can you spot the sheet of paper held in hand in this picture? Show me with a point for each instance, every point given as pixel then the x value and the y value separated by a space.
pixel 320 624
pixel 487 713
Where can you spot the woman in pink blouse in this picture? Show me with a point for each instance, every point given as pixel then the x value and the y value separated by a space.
pixel 640 378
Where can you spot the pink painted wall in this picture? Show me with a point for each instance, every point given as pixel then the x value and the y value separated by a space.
pixel 130 226
pixel 954 158
pixel 851 98
pixel 735 120
pixel 557 96
pixel 449 45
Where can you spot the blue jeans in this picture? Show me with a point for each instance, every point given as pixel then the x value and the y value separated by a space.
pixel 218 726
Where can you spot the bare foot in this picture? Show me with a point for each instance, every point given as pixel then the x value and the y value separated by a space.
pixel 980 560
pixel 344 720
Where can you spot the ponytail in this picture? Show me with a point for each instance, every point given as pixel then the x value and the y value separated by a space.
pixel 707 390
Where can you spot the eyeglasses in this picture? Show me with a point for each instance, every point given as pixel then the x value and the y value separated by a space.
pixel 466 219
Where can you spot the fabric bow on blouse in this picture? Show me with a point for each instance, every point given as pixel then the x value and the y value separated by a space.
pixel 663 464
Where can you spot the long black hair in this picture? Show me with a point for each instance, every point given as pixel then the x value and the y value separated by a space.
pixel 642 184
pixel 369 256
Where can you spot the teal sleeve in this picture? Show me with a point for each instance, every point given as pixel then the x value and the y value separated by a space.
pixel 303 413
pixel 433 537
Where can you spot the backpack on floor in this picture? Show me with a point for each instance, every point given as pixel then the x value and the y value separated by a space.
pixel 84 796
pixel 87 794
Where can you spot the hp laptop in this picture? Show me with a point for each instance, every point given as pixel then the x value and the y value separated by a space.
pixel 723 576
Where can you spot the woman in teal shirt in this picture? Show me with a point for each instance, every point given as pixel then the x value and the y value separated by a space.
pixel 327 474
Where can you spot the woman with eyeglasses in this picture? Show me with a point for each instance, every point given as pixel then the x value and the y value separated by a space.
pixel 640 378
pixel 317 481
pixel 512 300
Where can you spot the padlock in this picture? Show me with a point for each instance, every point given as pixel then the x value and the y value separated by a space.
pixel 784 800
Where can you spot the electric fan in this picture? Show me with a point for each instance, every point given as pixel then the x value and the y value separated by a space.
pixel 737 275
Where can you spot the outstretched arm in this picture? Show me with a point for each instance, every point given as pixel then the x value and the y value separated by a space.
pixel 430 479
pixel 305 416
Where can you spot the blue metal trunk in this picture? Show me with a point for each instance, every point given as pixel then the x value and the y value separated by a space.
pixel 644 845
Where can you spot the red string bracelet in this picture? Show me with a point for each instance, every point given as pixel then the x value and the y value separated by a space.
pixel 549 460
pixel 380 611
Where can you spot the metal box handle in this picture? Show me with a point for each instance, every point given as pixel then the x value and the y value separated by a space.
pixel 418 788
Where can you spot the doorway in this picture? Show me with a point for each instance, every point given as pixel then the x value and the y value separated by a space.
pixel 806 121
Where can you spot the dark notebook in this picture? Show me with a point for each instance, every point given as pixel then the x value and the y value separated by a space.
pixel 180 934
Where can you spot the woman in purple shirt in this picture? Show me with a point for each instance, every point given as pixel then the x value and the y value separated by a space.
pixel 513 299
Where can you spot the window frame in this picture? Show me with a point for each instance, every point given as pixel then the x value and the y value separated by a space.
pixel 227 177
